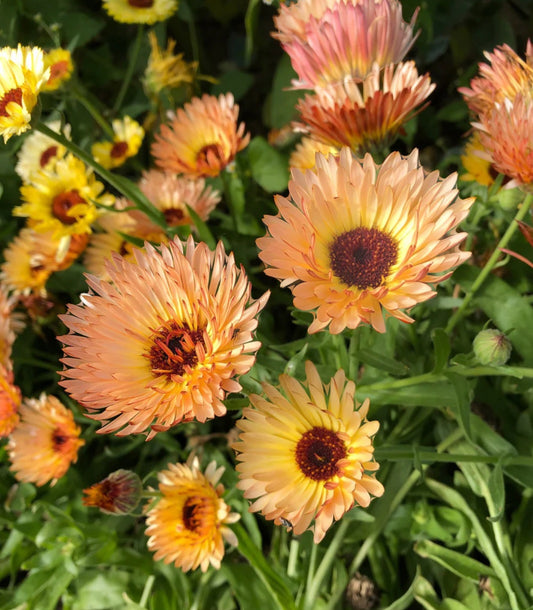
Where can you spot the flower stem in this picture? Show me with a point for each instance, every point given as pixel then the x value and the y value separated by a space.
pixel 429 456
pixel 93 111
pixel 131 68
pixel 491 263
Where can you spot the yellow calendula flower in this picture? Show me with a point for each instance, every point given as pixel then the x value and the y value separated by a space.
pixel 474 161
pixel 22 75
pixel 140 11
pixel 63 200
pixel 303 156
pixel 126 143
pixel 61 67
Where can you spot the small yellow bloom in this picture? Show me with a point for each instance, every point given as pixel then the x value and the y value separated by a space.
pixel 140 11
pixel 475 163
pixel 61 67
pixel 126 143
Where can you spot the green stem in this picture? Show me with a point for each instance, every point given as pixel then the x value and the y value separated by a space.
pixel 430 456
pixel 147 590
pixel 491 263
pixel 402 383
pixel 131 68
pixel 94 112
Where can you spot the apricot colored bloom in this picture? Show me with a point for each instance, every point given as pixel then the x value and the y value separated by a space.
pixel 22 74
pixel 63 199
pixel 40 152
pixel 45 442
pixel 126 143
pixel 61 67
pixel 202 137
pixel 186 335
pixel 474 161
pixel 189 523
pixel 9 325
pixel 10 398
pixel 303 156
pixel 347 40
pixel 292 19
pixel 306 453
pixel 140 11
pixel 365 115
pixel 118 494
pixel 355 239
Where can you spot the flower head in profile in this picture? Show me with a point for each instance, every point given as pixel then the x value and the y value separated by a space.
pixel 345 41
pixel 303 156
pixel 356 240
pixel 118 494
pixel 10 398
pixel 22 75
pixel 189 523
pixel 61 67
pixel 45 442
pixel 140 11
pixel 126 143
pixel 306 453
pixel 175 355
pixel 63 199
pixel 202 138
pixel 367 114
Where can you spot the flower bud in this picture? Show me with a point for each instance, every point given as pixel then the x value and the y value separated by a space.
pixel 118 494
pixel 492 347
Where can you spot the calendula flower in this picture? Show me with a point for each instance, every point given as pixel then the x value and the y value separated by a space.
pixel 8 326
pixel 365 115
pixel 126 143
pixel 118 494
pixel 189 523
pixel 474 161
pixel 292 19
pixel 303 156
pixel 202 137
pixel 61 67
pixel 140 11
pixel 63 199
pixel 346 41
pixel 22 75
pixel 306 453
pixel 45 442
pixel 10 398
pixel 40 152
pixel 166 70
pixel 356 239
pixel 175 355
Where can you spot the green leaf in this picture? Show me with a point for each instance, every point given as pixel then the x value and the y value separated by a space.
pixel 247 587
pixel 496 489
pixel 203 230
pixel 423 395
pixel 269 167
pixel 250 22
pixel 461 405
pixel 441 346
pixel 383 363
pixel 280 107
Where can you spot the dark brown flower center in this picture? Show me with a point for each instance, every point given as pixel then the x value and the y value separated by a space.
pixel 197 513
pixel 141 3
pixel 119 149
pixel 62 203
pixel 59 439
pixel 174 216
pixel 48 154
pixel 13 95
pixel 363 257
pixel 318 452
pixel 174 349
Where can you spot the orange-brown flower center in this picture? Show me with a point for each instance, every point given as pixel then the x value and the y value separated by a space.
pixel 318 452
pixel 102 495
pixel 174 216
pixel 141 3
pixel 62 203
pixel 198 514
pixel 48 154
pixel 58 70
pixel 363 257
pixel 211 155
pixel 13 95
pixel 119 149
pixel 61 441
pixel 174 349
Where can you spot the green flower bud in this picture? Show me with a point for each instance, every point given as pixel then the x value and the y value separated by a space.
pixel 492 347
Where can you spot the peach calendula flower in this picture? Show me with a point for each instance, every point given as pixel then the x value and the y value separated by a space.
pixel 140 11
pixel 40 152
pixel 118 494
pixel 61 67
pixel 356 239
pixel 202 137
pixel 126 143
pixel 347 41
pixel 45 442
pixel 9 325
pixel 10 398
pixel 189 523
pixel 22 75
pixel 175 356
pixel 303 156
pixel 306 452
pixel 365 115
pixel 63 199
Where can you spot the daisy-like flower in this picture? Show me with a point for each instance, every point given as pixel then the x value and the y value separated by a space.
pixel 474 161
pixel 22 74
pixel 45 442
pixel 174 357
pixel 10 398
pixel 8 325
pixel 355 239
pixel 202 137
pixel 118 494
pixel 303 156
pixel 126 143
pixel 140 11
pixel 189 523
pixel 61 67
pixel 166 70
pixel 306 452
pixel 365 115
pixel 346 41
pixel 292 19
pixel 40 152
pixel 63 199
